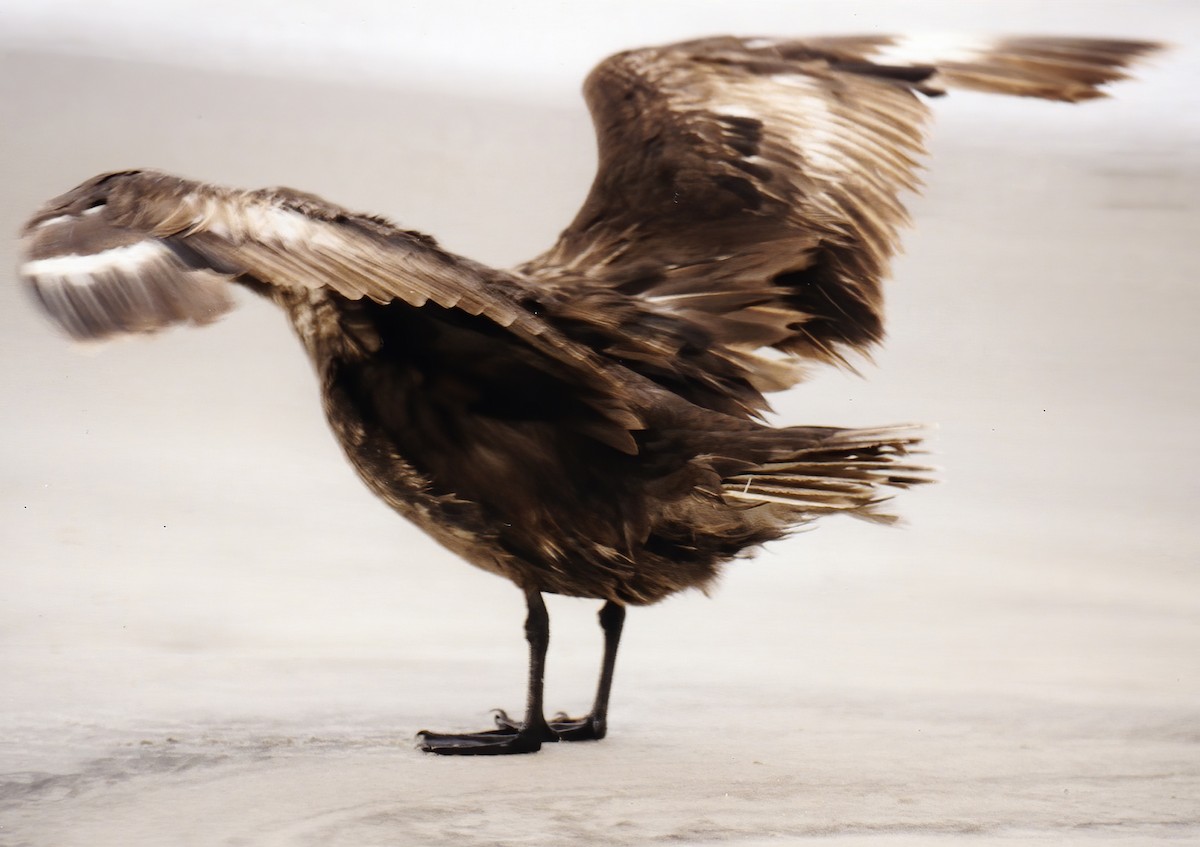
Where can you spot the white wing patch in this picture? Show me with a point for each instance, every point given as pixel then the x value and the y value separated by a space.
pixel 816 132
pixel 136 287
pixel 933 49
pixel 855 159
pixel 53 221
pixel 241 218
pixel 80 269
pixel 262 222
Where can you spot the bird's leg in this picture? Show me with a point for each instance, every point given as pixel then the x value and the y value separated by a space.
pixel 594 726
pixel 509 737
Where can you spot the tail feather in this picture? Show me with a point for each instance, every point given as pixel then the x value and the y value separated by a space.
pixel 831 471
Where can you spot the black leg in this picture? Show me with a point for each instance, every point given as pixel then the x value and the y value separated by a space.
pixel 594 726
pixel 509 737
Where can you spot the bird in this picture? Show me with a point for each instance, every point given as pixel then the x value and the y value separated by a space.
pixel 591 423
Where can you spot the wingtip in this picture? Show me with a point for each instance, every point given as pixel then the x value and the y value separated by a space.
pixel 1066 69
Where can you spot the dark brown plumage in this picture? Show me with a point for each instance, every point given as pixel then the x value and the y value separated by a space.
pixel 588 423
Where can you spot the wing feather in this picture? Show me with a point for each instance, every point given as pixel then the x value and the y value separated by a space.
pixel 139 251
pixel 745 209
pixel 141 223
pixel 774 169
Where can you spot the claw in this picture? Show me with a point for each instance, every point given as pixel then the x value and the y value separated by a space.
pixel 503 721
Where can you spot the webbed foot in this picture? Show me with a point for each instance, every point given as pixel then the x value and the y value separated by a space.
pixel 508 738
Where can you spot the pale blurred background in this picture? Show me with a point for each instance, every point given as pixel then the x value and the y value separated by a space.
pixel 211 633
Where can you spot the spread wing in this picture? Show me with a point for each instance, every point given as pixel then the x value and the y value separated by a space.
pixel 138 251
pixel 746 204
pixel 748 194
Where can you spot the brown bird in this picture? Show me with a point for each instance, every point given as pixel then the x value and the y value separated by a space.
pixel 588 423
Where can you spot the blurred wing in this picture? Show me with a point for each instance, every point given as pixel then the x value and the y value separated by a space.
pixel 747 194
pixel 138 251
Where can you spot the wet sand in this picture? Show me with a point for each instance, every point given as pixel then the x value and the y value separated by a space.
pixel 212 634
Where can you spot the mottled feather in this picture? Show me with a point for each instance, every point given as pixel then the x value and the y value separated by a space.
pixel 586 423
pixel 748 191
